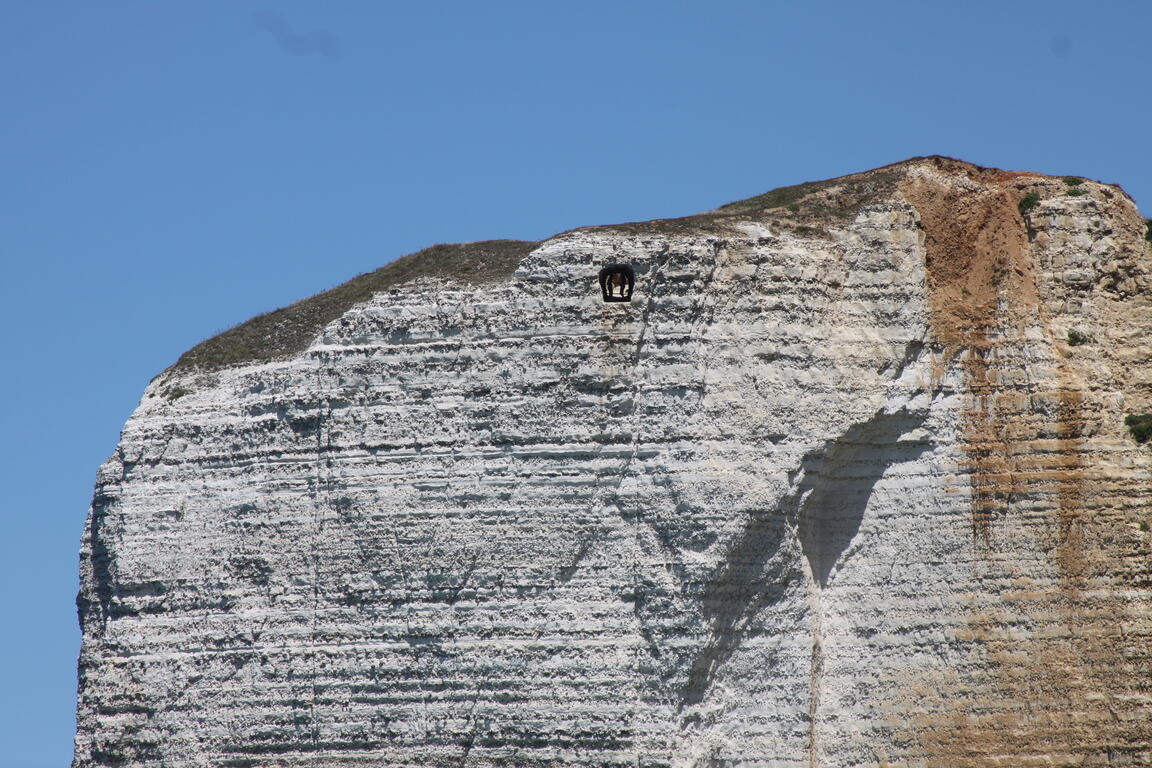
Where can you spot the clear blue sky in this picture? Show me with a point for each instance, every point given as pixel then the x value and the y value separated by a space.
pixel 169 169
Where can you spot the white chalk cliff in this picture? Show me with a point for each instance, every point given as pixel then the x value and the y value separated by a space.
pixel 833 489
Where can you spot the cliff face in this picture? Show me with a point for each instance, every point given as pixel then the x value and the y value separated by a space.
pixel 834 489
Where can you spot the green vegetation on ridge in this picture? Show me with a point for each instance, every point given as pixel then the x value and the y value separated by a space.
pixel 1028 202
pixel 1140 426
pixel 1078 338
pixel 829 200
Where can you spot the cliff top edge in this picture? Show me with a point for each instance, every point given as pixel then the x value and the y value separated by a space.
pixel 807 209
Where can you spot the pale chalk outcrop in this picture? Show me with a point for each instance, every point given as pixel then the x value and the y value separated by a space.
pixel 832 490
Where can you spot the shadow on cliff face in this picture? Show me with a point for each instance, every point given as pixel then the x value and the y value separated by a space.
pixel 94 601
pixel 827 506
pixel 758 571
pixel 838 482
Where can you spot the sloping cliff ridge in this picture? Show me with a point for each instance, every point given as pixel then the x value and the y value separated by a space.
pixel 834 489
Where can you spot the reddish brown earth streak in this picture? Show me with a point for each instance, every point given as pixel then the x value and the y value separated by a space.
pixel 1059 668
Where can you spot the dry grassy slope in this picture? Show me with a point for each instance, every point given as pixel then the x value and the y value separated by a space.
pixel 290 329
pixel 804 208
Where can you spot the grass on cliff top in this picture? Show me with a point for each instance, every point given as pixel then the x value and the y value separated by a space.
pixel 823 201
pixel 803 208
pixel 804 205
pixel 289 330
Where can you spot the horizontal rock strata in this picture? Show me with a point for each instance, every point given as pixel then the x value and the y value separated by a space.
pixel 833 489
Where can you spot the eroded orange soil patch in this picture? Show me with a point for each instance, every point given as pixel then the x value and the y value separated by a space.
pixel 1056 678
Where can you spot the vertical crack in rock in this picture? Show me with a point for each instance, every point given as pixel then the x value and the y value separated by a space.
pixel 706 310
pixel 834 487
pixel 815 674
pixel 621 371
pixel 650 292
pixel 823 512
pixel 638 592
pixel 314 554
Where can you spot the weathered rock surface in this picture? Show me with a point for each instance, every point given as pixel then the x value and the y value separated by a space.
pixel 833 489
